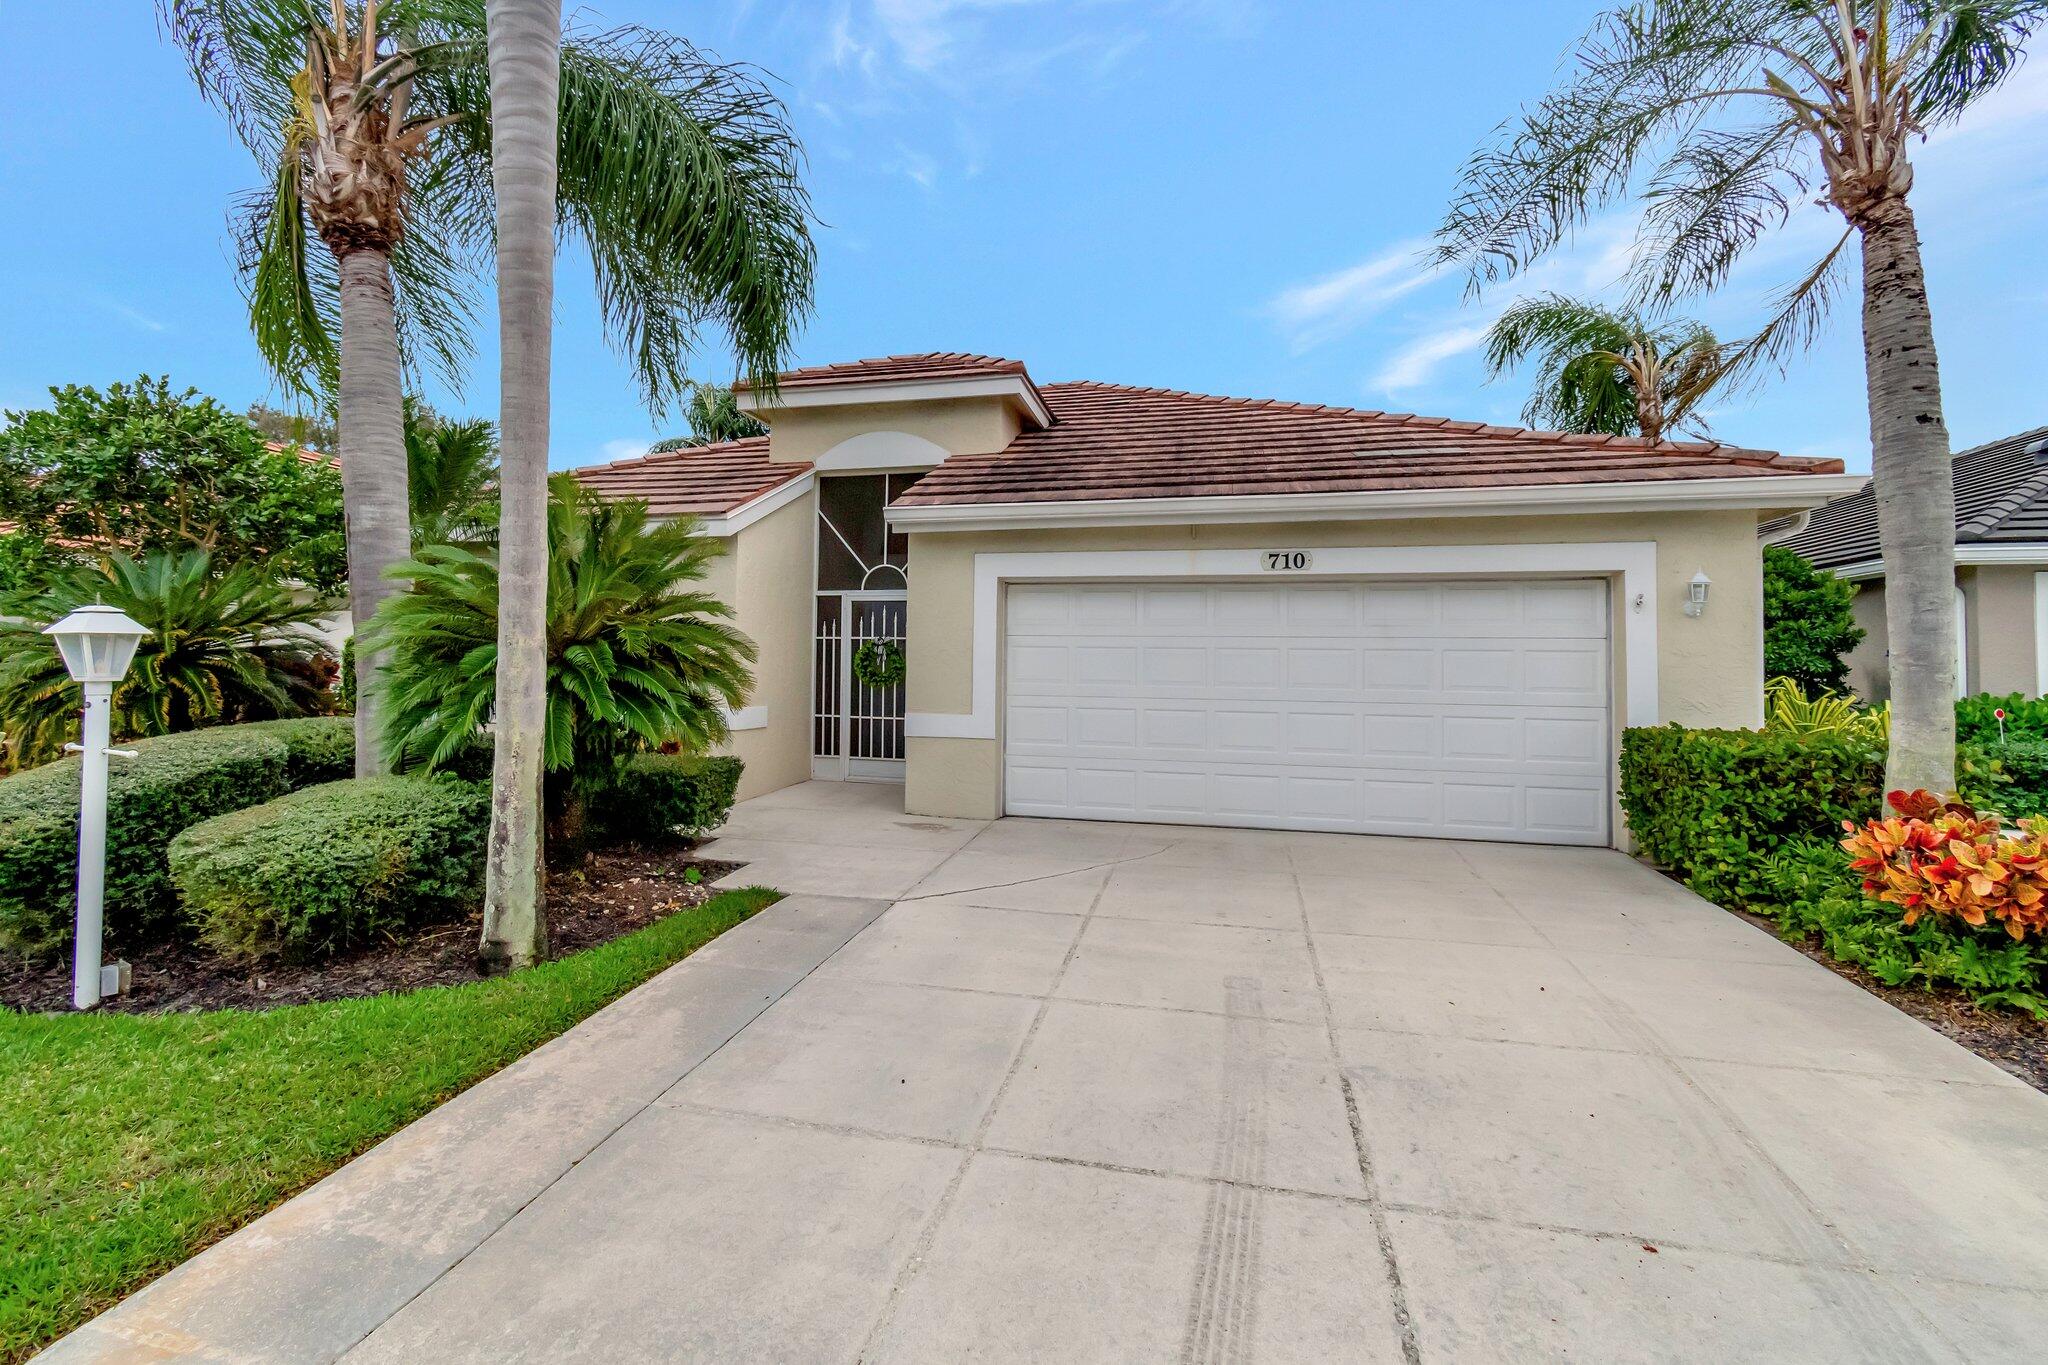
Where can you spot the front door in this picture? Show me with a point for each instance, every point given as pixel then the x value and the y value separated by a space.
pixel 856 724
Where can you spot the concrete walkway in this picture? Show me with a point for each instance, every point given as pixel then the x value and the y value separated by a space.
pixel 1077 1092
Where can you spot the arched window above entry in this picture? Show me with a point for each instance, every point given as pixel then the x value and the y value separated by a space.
pixel 880 450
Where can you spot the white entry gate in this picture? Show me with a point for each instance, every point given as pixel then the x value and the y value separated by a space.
pixel 856 729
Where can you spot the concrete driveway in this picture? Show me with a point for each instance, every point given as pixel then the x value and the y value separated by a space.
pixel 1077 1092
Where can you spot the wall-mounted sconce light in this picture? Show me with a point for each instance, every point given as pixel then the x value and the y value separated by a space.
pixel 1696 593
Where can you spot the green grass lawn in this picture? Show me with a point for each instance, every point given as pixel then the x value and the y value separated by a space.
pixel 130 1142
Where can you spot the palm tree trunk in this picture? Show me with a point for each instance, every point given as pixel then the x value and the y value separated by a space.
pixel 524 45
pixel 1916 501
pixel 373 492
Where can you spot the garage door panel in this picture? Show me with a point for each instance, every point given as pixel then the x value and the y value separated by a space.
pixel 1461 709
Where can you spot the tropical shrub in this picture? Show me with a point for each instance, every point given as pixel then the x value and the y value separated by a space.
pixel 333 866
pixel 2026 718
pixel 451 476
pixel 1789 710
pixel 144 467
pixel 1809 627
pixel 226 643
pixel 1814 895
pixel 1950 860
pixel 657 795
pixel 172 782
pixel 638 658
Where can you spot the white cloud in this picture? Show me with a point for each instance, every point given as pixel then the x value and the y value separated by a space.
pixel 1414 364
pixel 134 316
pixel 921 167
pixel 624 448
pixel 1324 309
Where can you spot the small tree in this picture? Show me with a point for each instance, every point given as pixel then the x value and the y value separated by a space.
pixel 714 416
pixel 224 645
pixel 1809 627
pixel 1609 369
pixel 637 656
pixel 145 467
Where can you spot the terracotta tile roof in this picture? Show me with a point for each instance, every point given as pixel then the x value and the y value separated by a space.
pixel 2001 498
pixel 1116 441
pixel 899 369
pixel 305 455
pixel 700 481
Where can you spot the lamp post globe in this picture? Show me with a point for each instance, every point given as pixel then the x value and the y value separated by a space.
pixel 97 644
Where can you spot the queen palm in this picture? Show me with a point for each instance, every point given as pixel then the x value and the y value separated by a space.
pixel 1608 370
pixel 1723 115
pixel 680 176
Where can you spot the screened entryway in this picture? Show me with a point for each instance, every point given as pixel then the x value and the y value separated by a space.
pixel 858 662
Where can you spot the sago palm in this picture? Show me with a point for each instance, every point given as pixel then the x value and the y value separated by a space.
pixel 451 471
pixel 1608 370
pixel 227 645
pixel 638 656
pixel 1722 115
pixel 680 176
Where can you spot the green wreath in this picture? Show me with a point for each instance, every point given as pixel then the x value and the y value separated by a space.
pixel 879 663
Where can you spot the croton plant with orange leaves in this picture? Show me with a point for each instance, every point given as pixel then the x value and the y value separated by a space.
pixel 1948 859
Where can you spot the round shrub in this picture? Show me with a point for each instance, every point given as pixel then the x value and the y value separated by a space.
pixel 653 796
pixel 173 782
pixel 334 866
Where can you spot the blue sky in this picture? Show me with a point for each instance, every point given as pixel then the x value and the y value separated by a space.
pixel 1219 195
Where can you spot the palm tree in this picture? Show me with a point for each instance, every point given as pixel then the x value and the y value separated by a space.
pixel 714 416
pixel 1607 369
pixel 680 175
pixel 526 72
pixel 637 656
pixel 224 644
pixel 451 475
pixel 1724 114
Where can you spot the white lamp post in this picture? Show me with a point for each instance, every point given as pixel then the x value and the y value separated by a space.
pixel 98 643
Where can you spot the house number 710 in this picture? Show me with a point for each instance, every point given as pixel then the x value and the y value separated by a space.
pixel 1287 559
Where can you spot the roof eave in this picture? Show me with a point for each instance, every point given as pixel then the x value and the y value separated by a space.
pixel 1016 387
pixel 1997 552
pixel 1780 492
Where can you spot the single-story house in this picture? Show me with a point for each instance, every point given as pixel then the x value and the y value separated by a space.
pixel 1140 604
pixel 2001 569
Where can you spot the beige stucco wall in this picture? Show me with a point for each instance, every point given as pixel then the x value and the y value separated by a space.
pixel 1710 669
pixel 765 577
pixel 1998 629
pixel 2000 601
pixel 963 426
pixel 1869 670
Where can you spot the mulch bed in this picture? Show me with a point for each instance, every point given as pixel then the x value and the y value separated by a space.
pixel 613 892
pixel 2016 1042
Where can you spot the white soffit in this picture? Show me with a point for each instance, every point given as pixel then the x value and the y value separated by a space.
pixel 1778 492
pixel 1012 386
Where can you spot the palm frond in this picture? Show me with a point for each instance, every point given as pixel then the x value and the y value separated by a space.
pixel 226 643
pixel 636 657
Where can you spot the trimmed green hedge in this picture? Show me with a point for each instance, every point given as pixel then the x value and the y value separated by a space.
pixel 334 866
pixel 174 782
pixel 1713 805
pixel 659 795
pixel 2026 718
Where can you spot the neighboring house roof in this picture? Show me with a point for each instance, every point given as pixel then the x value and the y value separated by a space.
pixel 305 455
pixel 698 481
pixel 2001 499
pixel 1113 441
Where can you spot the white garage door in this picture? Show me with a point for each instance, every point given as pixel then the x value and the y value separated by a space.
pixel 1461 709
